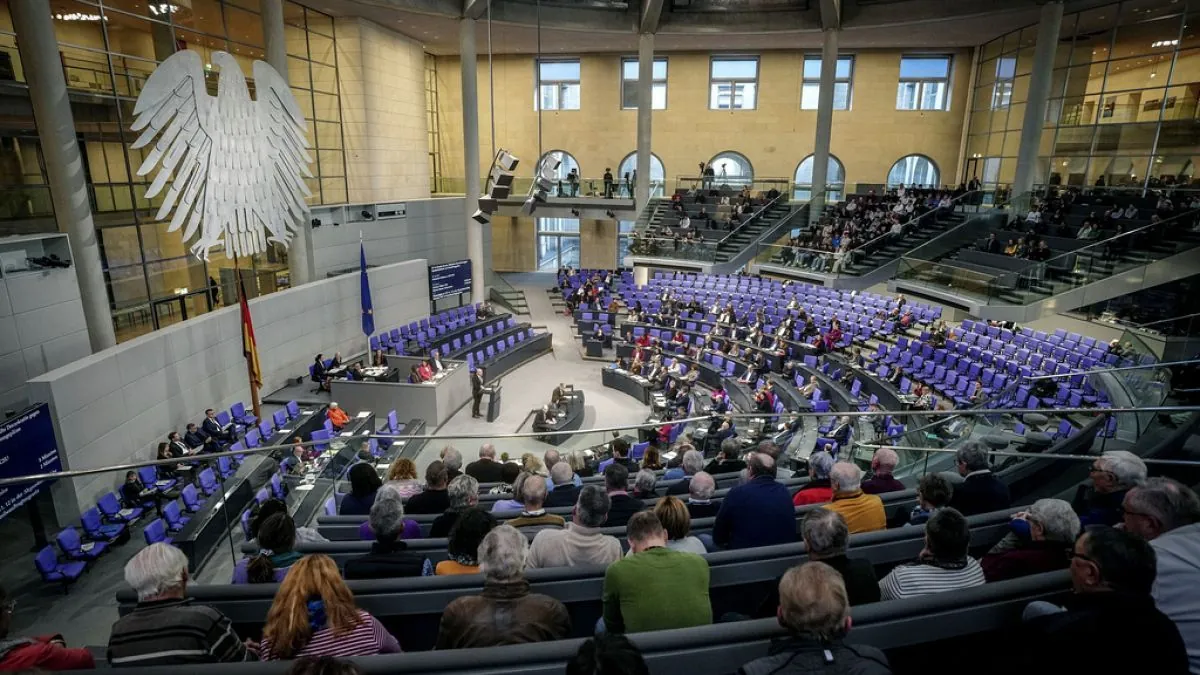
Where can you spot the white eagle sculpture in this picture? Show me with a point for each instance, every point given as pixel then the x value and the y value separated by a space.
pixel 236 166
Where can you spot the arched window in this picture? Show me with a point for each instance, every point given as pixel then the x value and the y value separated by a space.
pixel 916 170
pixel 835 179
pixel 732 169
pixel 566 162
pixel 658 175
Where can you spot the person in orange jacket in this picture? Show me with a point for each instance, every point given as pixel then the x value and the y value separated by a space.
pixel 337 416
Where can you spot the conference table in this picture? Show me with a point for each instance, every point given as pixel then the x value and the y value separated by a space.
pixel 564 426
pixel 307 494
pixel 623 380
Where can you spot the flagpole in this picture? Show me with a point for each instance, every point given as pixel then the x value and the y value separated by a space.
pixel 254 402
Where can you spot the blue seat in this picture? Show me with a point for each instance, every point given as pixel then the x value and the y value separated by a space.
pixel 150 479
pixel 639 451
pixel 320 438
pixel 238 412
pixel 208 482
pixel 156 532
pixel 191 498
pixel 293 409
pixel 74 548
pixel 265 428
pixel 277 487
pixel 111 508
pixel 174 516
pixel 52 570
pixel 96 530
pixel 224 467
pixel 281 418
pixel 224 419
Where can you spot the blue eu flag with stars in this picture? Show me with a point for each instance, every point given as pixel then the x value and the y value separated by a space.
pixel 368 315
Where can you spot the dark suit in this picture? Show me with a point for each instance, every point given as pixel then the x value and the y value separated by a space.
pixel 387 561
pixel 194 439
pixel 485 470
pixel 703 510
pixel 178 449
pixel 862 587
pixel 476 393
pixel 541 421
pixel 429 501
pixel 622 509
pixel 214 431
pixel 681 487
pixel 562 495
pixel 981 493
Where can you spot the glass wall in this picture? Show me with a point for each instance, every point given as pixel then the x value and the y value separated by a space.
pixel 24 195
pixel 557 243
pixel 1123 99
pixel 108 50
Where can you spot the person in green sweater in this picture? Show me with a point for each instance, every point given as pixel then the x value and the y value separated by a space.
pixel 656 588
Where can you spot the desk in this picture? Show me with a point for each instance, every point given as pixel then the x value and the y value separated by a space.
pixel 623 380
pixel 561 430
pixel 511 359
pixel 310 493
pixel 434 401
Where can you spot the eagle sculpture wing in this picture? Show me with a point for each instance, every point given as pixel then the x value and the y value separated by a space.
pixel 284 140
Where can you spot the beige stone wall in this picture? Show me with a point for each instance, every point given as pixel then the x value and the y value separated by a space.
pixel 597 244
pixel 512 244
pixel 868 139
pixel 382 80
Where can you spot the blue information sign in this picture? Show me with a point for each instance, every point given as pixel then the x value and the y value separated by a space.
pixel 27 447
pixel 449 279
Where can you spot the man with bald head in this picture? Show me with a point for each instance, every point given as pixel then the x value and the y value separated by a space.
pixel 882 465
pixel 758 512
pixel 700 503
pixel 551 458
pixel 486 469
pixel 565 492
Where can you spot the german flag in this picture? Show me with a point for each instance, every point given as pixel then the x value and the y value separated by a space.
pixel 249 346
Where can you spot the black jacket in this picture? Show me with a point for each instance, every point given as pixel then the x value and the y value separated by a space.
pixel 562 495
pixel 806 655
pixel 862 586
pixel 981 493
pixel 442 524
pixel 681 486
pixel 387 561
pixel 622 509
pixel 485 470
pixel 429 501
pixel 194 439
pixel 708 510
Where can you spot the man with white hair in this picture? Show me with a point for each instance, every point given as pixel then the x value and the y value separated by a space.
pixel 486 469
pixel 533 512
pixel 452 459
pixel 506 613
pixel 981 491
pixel 1113 475
pixel 565 492
pixel 693 463
pixel 700 503
pixel 166 629
pixel 551 458
pixel 389 556
pixel 1040 541
pixel 883 463
pixel 463 493
pixel 863 512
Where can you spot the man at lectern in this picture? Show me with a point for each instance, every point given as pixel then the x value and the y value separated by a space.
pixel 476 391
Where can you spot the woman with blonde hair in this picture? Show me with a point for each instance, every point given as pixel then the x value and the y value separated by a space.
pixel 402 475
pixel 675 519
pixel 532 464
pixel 314 615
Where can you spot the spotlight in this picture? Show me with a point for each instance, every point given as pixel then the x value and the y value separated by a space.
pixel 480 217
pixel 575 212
pixel 366 215
pixel 488 204
pixel 506 161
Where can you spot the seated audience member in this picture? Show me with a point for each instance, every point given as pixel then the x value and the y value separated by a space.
pixel 826 538
pixel 434 498
pixel 933 493
pixel 164 629
pixel 757 513
pixel 194 438
pixel 463 545
pixel 1110 623
pixel 700 503
pixel 943 564
pixel 337 417
pixel 673 514
pixel 509 472
pixel 533 513
pixel 134 493
pixel 464 494
pixel 516 489
pixel 364 483
pixel 402 477
pixel 506 612
pixel 530 463
pixel 414 375
pixel 304 535
pixel 1040 541
pixel 213 429
pixel 1166 513
pixel 426 371
pixel 1113 475
pixel 818 489
pixel 883 463
pixel 314 615
pixel 319 376
pixel 981 491
pixel 863 512
pixel 652 460
pixel 607 654
pixel 294 464
pixel 178 447
pixel 692 463
pixel 452 458
pixel 277 554
pixel 580 542
pixel 565 492
pixel 656 587
pixel 620 454
pixel 486 469
pixel 773 449
pixel 727 460
pixel 389 556
pixel 621 505
pixel 815 610
pixel 644 485
pixel 553 457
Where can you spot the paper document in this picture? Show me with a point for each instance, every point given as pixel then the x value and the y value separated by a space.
pixel 363 414
pixel 303 488
pixel 345 433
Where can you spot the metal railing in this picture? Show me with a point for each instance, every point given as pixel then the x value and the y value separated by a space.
pixel 697 251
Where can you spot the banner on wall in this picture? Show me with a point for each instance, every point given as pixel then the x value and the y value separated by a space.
pixel 27 446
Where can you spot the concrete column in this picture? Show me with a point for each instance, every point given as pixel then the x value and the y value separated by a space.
pixel 300 254
pixel 820 174
pixel 470 113
pixel 1039 90
pixel 38 48
pixel 644 114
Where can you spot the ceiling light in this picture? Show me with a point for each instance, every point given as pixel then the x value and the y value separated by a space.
pixel 1164 43
pixel 80 16
pixel 163 8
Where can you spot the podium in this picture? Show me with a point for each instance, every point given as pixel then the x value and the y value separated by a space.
pixel 595 348
pixel 493 401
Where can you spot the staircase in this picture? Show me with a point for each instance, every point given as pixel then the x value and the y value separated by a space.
pixel 503 294
pixel 890 249
pixel 750 232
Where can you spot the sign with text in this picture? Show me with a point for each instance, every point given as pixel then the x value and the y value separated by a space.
pixel 27 447
pixel 449 279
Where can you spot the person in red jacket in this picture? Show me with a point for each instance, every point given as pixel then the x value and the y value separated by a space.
pixel 48 652
pixel 819 489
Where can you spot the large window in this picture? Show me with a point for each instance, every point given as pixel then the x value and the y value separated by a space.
pixel 658 175
pixel 1002 88
pixel 624 229
pixel 629 84
pixel 731 169
pixel 924 83
pixel 733 83
pixel 914 170
pixel 558 85
pixel 557 243
pixel 312 72
pixel 843 83
pixel 835 179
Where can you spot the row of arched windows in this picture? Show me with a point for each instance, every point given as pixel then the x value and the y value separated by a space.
pixel 735 168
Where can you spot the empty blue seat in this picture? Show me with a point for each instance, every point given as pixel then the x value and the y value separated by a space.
pixel 111 508
pixel 191 498
pixel 74 548
pixel 277 487
pixel 150 479
pixel 174 517
pixel 52 570
pixel 293 409
pixel 281 418
pixel 156 532
pixel 208 482
pixel 265 428
pixel 96 530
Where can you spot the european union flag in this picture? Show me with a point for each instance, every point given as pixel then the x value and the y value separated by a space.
pixel 368 314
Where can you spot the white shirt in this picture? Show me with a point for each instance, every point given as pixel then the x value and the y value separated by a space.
pixel 685 222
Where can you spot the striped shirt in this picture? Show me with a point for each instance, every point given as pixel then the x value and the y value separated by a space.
pixel 913 579
pixel 367 638
pixel 174 632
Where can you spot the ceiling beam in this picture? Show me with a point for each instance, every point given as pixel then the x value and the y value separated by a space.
pixel 651 16
pixel 474 9
pixel 831 14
